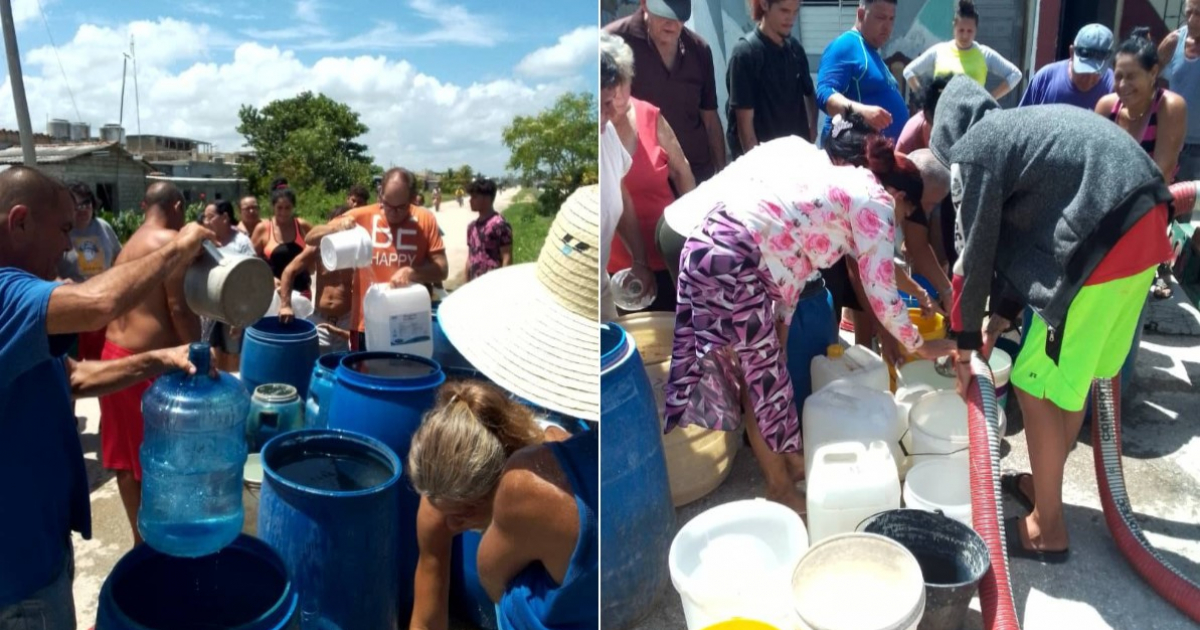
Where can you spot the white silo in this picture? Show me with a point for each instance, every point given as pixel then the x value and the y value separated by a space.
pixel 80 131
pixel 112 133
pixel 59 129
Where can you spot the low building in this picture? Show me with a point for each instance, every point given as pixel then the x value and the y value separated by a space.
pixel 207 188
pixel 217 167
pixel 118 179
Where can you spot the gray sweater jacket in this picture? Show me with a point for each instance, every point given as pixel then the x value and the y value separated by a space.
pixel 1042 193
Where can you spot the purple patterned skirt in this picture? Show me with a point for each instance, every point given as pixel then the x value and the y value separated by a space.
pixel 724 332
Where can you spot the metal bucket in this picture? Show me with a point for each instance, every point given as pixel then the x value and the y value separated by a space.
pixel 236 290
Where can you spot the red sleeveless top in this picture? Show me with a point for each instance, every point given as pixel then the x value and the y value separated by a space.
pixel 649 186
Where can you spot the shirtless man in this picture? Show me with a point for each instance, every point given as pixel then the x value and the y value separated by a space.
pixel 161 320
pixel 332 310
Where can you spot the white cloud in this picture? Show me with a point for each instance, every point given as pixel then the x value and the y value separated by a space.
pixel 415 119
pixel 25 11
pixel 573 50
pixel 203 9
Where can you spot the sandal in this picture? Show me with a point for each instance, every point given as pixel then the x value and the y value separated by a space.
pixel 1017 548
pixel 1011 484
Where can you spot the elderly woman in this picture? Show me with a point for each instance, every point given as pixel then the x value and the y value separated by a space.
pixel 481 461
pixel 658 163
pixel 964 55
pixel 748 266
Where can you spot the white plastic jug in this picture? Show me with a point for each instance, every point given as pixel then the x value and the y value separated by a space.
pixel 736 560
pixel 937 427
pixel 850 482
pixel 855 365
pixel 941 484
pixel 848 412
pixel 399 320
pixel 859 581
pixel 347 250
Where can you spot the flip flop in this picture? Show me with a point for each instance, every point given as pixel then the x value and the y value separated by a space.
pixel 1011 483
pixel 1017 549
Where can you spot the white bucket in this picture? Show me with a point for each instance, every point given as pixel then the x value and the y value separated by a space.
pixel 859 581
pixel 252 476
pixel 941 484
pixel 350 249
pixel 1001 363
pixel 229 288
pixel 735 561
pixel 938 427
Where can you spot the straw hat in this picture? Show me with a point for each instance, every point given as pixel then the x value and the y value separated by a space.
pixel 534 329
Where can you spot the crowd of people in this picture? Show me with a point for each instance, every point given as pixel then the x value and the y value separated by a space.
pixel 958 209
pixel 85 315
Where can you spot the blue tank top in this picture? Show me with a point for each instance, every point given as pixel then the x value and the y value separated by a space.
pixel 1184 76
pixel 533 600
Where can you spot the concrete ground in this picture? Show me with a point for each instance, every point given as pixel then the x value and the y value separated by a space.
pixel 111 537
pixel 1097 588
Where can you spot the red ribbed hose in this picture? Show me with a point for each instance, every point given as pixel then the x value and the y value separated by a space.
pixel 1185 197
pixel 1167 581
pixel 995 589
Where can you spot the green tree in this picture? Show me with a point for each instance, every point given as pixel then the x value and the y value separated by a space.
pixel 309 139
pixel 556 149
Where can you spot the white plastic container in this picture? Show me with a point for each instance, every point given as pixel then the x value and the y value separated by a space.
pixel 854 365
pixel 399 320
pixel 736 560
pixel 1001 363
pixel 850 482
pixel 859 581
pixel 941 484
pixel 302 307
pixel 937 427
pixel 351 249
pixel 848 412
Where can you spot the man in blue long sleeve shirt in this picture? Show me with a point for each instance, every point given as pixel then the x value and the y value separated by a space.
pixel 45 487
pixel 854 77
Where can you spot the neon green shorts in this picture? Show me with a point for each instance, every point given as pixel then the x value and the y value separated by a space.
pixel 1093 342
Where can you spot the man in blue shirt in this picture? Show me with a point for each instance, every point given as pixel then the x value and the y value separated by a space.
pixel 854 78
pixel 45 489
pixel 1083 79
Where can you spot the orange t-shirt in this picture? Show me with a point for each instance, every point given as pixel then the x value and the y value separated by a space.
pixel 407 246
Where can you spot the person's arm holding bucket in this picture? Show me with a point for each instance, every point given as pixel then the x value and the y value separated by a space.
pixel 431 583
pixel 318 232
pixel 93 304
pixel 92 379
pixel 306 261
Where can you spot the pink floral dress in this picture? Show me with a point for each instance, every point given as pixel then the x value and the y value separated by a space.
pixel 745 268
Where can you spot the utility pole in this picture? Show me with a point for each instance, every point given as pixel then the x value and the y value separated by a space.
pixel 18 83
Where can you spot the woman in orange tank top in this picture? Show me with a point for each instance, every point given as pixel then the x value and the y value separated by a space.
pixel 280 239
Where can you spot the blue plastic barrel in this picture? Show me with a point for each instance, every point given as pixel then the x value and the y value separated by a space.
pixel 320 390
pixel 639 519
pixel 444 352
pixel 385 395
pixel 244 586
pixel 273 352
pixel 330 507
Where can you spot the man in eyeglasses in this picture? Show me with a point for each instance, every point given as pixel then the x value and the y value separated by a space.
pixel 1081 80
pixel 408 246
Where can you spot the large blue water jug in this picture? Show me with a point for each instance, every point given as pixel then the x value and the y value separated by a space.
pixel 244 586
pixel 385 395
pixel 639 518
pixel 274 352
pixel 330 508
pixel 193 456
pixel 320 390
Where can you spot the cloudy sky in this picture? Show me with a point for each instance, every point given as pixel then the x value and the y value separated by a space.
pixel 435 80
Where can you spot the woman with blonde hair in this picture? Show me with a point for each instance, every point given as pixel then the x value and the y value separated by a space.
pixel 481 461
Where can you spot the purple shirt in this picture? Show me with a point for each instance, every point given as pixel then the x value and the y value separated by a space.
pixel 485 238
pixel 1052 85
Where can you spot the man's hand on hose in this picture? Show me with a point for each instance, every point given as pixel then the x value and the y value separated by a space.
pixel 962 372
pixel 995 327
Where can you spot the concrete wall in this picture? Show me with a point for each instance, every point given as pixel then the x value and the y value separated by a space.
pixel 126 177
pixel 229 189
